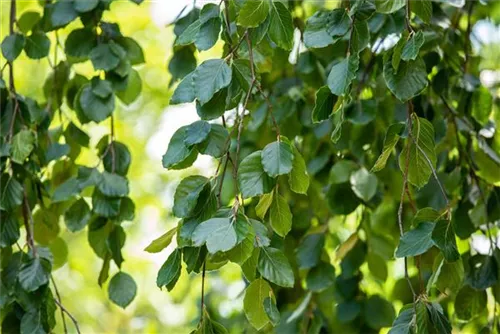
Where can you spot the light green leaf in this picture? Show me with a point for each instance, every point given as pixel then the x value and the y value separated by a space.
pixel 22 144
pixel 416 241
pixel 482 105
pixel 218 233
pixel 162 242
pixel 443 236
pixel 298 177
pixel 412 46
pixel 342 74
pixel 277 158
pixel 186 195
pixel 253 13
pixel 422 9
pixel 27 21
pixel 122 289
pixel 252 179
pixel 273 266
pixel 280 215
pixel 323 106
pixel 391 139
pixel 364 184
pixel 421 154
pixel 209 78
pixel 242 251
pixel 389 6
pixel 408 81
pixel 263 205
pixel 281 26
pixel 253 303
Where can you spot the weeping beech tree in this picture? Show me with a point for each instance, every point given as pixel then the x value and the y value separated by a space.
pixel 354 141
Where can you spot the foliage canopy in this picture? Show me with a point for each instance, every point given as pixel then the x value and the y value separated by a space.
pixel 362 113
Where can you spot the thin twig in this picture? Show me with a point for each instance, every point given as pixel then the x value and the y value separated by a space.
pixel 69 315
pixel 111 144
pixel 28 224
pixel 203 289
pixel 58 296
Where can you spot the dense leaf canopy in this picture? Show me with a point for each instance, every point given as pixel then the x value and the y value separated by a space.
pixel 356 113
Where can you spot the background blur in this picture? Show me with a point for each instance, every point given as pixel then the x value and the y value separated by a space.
pixel 146 127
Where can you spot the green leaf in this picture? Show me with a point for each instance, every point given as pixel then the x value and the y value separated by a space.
pixel 216 142
pixel 341 171
pixel 425 215
pixel 252 179
pixel 208 34
pixel 389 6
pixel 280 215
pixel 113 185
pixel 360 36
pixel 421 153
pixel 364 184
pixel 277 158
pixel 11 192
pixel 309 251
pixel 196 132
pixel 214 108
pixel 404 323
pixel 31 323
pixel 342 74
pixel 133 90
pixel 253 13
pixel 77 216
pixel 315 34
pixel 122 289
pixel 422 9
pixel 186 195
pixel 66 190
pixel 264 204
pixel 253 303
pixel 298 177
pixel 281 26
pixel 408 81
pixel 273 266
pixel 422 321
pixel 34 273
pixel 443 236
pixel 208 326
pixel 184 93
pixel 162 242
pixel 272 311
pixel 188 36
pixel 95 108
pixel 170 271
pixel 209 78
pixel 242 251
pixel 105 206
pixel 469 303
pixel 391 139
pixel 378 312
pixel 323 106
pixel 416 241
pixel 339 22
pixel 118 158
pixel 62 13
pixel 104 56
pixel 12 46
pixel 439 320
pixel 320 277
pixel 482 105
pixel 37 45
pixel 135 54
pixel 27 21
pixel 448 276
pixel 84 6
pixel 9 230
pixel 115 243
pixel 22 144
pixel 178 155
pixel 412 46
pixel 218 233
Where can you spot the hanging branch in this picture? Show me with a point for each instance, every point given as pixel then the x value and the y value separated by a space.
pixel 12 87
pixel 202 290
pixel 28 224
pixel 58 296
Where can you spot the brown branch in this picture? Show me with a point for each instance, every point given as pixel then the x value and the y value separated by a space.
pixel 203 289
pixel 111 144
pixel 69 315
pixel 58 296
pixel 467 36
pixel 28 224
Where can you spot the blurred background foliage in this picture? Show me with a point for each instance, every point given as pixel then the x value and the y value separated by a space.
pixel 146 126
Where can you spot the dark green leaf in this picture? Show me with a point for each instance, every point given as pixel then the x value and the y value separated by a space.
pixel 252 179
pixel 273 266
pixel 342 74
pixel 12 46
pixel 209 78
pixel 443 236
pixel 122 289
pixel 37 45
pixel 416 241
pixel 323 106
pixel 186 195
pixel 277 158
pixel 281 26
